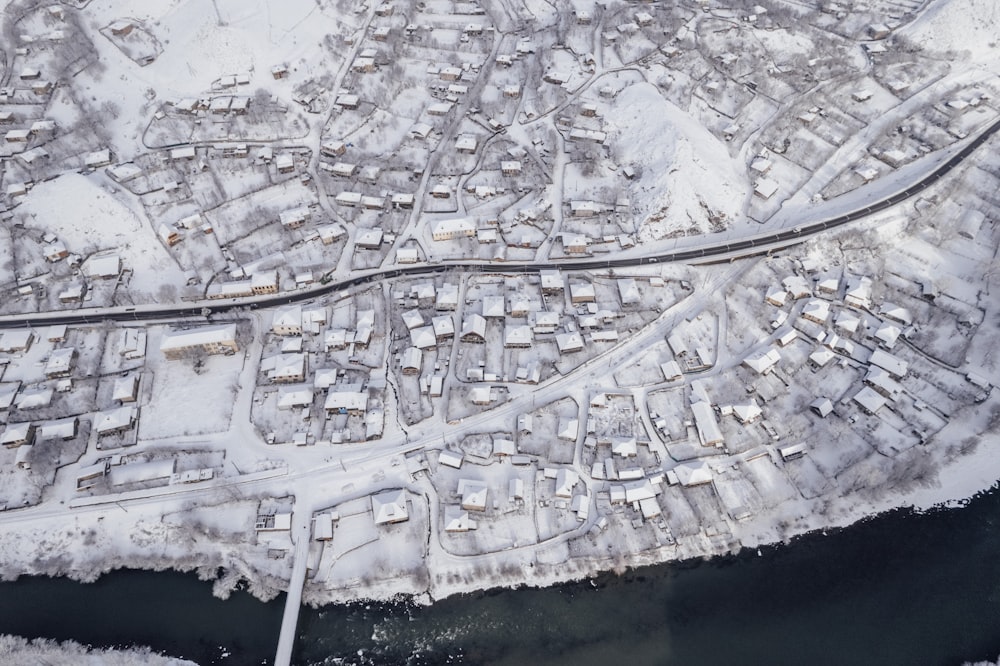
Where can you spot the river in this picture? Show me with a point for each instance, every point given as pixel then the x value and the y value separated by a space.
pixel 901 588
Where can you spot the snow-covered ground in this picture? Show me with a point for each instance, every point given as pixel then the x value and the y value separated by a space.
pixel 532 427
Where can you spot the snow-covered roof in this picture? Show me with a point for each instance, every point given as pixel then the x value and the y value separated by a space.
pixel 423 337
pixel 451 458
pixel 113 420
pixel 869 399
pixel 895 366
pixel 203 335
pixel 474 494
pixel 763 361
pixel 290 397
pixel 708 427
pixel 390 507
pixel 693 473
pixel 566 480
pixel 456 519
pixel 569 342
pixel 568 428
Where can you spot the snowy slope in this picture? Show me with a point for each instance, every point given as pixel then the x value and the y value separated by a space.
pixel 683 166
pixel 959 25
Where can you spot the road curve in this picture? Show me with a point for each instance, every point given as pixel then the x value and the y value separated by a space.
pixel 750 246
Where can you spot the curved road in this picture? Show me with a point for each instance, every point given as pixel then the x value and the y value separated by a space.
pixel 746 247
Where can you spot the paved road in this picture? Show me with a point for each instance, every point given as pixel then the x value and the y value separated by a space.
pixel 749 246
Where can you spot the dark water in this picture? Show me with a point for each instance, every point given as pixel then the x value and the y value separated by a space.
pixel 898 589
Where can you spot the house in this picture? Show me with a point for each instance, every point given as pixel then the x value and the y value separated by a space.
pixel 821 358
pixel 220 339
pixel 333 148
pixel 628 291
pixel 706 424
pixel 126 389
pixel 348 101
pixel 970 223
pixel 286 368
pixel 821 407
pixel 869 400
pixel 287 320
pixel 748 412
pixel 817 311
pixel 797 287
pixel 117 420
pixel 585 208
pixel 18 434
pixel 473 329
pixel 764 361
pixel 582 292
pixel 352 402
pixel 517 336
pixel 456 519
pixel 295 397
pixel 389 507
pixel 444 327
pixel 462 227
pixel 474 494
pixel 883 383
pixel 859 293
pixel 60 363
pixel 411 361
pixel 265 282
pixel 284 163
pixel 466 143
pixel 423 337
pixel 510 168
pixel 894 366
pixel 569 342
pixel 793 452
pixel 16 340
pixel 330 233
pixel 765 188
pixel 104 267
pixel 575 243
pixel 861 95
pixel 369 239
pixel 183 153
pixel 294 218
pixel 481 395
pixel 446 297
pixel 568 429
pixel 169 235
pixel 451 458
pixel 896 313
pixel 566 480
pixel 692 473
pixel 279 72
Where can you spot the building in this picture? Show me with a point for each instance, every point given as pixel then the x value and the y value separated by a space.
pixel 287 320
pixel 286 368
pixel 352 402
pixel 412 361
pixel 474 329
pixel 474 494
pixel 390 506
pixel 117 420
pixel 60 363
pixel 18 434
pixel 220 339
pixel 517 336
pixel 462 227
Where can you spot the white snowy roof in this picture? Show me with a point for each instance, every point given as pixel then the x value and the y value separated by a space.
pixel 473 494
pixel 706 423
pixel 493 306
pixel 423 337
pixel 568 428
pixel 223 333
pixel 390 507
pixel 290 397
pixel 456 519
pixel 115 419
pixel 517 335
pixel 870 399
pixel 444 326
pixel 693 473
pixel 569 342
pixel 346 400
pixel 895 366
pixel 566 480
pixel 763 361
pixel 474 324
pixel 33 398
pixel 451 458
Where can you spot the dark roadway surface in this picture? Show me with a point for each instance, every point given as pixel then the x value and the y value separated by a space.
pixel 749 247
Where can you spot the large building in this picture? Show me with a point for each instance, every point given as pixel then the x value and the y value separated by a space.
pixel 208 339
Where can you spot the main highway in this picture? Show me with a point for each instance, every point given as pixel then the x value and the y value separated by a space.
pixel 749 246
